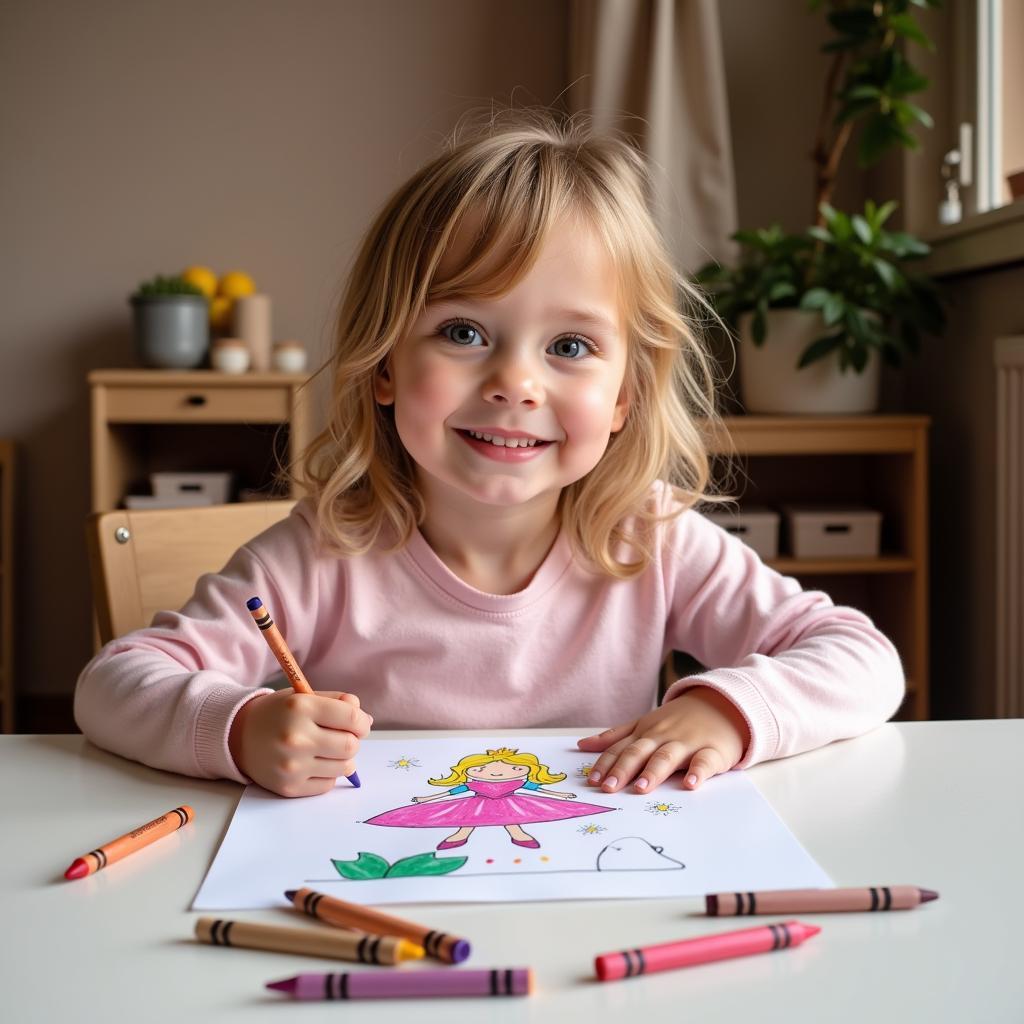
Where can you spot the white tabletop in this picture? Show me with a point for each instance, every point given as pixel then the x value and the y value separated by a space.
pixel 935 804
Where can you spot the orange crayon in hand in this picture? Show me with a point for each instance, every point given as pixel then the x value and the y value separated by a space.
pixel 285 658
pixel 130 842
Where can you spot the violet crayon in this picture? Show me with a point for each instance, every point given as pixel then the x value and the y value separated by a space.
pixel 514 981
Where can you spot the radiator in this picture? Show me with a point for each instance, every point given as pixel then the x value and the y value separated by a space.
pixel 1009 353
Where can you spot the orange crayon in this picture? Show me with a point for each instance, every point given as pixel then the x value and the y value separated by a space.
pixel 121 847
pixel 285 658
pixel 341 914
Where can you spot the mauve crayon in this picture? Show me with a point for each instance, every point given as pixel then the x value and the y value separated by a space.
pixel 817 901
pixel 668 955
pixel 514 981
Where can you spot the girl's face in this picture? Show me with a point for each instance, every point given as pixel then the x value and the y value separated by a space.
pixel 506 401
pixel 498 771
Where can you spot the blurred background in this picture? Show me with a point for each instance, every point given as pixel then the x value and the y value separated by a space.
pixel 260 136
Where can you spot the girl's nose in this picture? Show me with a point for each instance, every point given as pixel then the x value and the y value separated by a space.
pixel 514 380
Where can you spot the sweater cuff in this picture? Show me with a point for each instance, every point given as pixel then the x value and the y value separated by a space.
pixel 212 728
pixel 741 690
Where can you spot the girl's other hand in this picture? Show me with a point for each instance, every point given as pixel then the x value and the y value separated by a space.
pixel 297 744
pixel 701 729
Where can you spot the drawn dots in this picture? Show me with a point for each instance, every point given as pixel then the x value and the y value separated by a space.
pixel 490 860
pixel 517 860
pixel 545 858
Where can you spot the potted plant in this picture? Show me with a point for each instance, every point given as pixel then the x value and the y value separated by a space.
pixel 834 300
pixel 171 322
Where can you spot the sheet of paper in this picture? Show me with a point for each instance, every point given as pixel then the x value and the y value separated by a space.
pixel 520 823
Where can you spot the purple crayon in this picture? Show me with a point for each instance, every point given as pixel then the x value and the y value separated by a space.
pixel 514 981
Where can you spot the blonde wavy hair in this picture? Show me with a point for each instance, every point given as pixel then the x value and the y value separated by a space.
pixel 522 171
pixel 539 773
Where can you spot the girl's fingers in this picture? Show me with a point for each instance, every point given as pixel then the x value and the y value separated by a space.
pixel 332 713
pixel 601 766
pixel 660 765
pixel 330 768
pixel 703 765
pixel 335 745
pixel 603 740
pixel 626 764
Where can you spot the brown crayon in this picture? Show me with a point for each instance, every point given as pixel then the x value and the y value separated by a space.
pixel 367 949
pixel 351 915
pixel 820 901
pixel 124 845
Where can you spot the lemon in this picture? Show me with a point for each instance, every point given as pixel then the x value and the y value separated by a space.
pixel 220 312
pixel 234 284
pixel 203 278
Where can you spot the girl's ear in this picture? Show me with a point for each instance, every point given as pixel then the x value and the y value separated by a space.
pixel 384 386
pixel 621 409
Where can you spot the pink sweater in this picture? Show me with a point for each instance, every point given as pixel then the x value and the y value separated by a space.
pixel 423 649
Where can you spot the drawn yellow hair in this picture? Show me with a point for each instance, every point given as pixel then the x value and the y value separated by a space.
pixel 539 773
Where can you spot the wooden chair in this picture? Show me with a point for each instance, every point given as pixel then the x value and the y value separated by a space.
pixel 145 561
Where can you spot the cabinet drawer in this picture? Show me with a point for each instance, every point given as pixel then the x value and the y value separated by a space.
pixel 197 405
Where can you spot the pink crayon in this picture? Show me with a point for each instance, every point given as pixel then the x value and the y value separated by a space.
pixel 668 955
pixel 515 981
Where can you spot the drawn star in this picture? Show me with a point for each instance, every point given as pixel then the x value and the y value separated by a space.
pixel 584 770
pixel 591 830
pixel 404 763
pixel 661 808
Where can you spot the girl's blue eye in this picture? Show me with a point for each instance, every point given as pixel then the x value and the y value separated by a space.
pixel 571 347
pixel 459 331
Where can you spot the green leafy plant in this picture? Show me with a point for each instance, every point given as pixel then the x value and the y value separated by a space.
pixel 161 285
pixel 848 268
pixel 372 865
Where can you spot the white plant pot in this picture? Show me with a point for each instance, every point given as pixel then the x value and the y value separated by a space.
pixel 771 383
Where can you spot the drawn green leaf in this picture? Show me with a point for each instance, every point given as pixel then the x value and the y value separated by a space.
pixel 366 865
pixel 425 864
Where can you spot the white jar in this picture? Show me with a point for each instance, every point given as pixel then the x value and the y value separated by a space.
pixel 230 355
pixel 289 357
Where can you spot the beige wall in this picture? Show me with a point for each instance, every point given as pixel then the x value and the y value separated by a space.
pixel 142 137
pixel 259 134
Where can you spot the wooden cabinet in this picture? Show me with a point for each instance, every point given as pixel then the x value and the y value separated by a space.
pixel 878 461
pixel 6 585
pixel 250 424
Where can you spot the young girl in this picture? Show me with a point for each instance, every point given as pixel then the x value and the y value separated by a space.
pixel 496 780
pixel 501 528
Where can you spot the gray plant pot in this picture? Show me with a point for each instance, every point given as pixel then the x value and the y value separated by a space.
pixel 172 332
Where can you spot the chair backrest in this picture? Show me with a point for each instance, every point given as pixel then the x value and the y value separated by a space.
pixel 143 562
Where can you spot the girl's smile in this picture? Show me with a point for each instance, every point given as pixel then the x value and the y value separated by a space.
pixel 504 447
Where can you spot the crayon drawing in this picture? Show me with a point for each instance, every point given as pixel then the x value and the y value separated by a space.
pixel 493 819
pixel 499 787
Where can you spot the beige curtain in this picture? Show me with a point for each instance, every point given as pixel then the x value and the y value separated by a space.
pixel 654 69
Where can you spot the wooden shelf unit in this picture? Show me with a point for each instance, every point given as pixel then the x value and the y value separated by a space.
pixel 878 461
pixel 6 586
pixel 177 421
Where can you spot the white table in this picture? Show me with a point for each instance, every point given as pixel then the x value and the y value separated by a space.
pixel 936 804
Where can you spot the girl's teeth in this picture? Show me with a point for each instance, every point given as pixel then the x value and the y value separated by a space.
pixel 504 442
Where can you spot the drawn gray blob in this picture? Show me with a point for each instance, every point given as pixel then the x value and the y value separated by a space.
pixel 635 854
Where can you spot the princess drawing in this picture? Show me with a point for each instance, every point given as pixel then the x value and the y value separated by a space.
pixel 504 788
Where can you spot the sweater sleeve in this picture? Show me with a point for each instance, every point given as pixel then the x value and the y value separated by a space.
pixel 167 695
pixel 802 671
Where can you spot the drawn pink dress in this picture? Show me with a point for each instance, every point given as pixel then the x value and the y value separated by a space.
pixel 493 803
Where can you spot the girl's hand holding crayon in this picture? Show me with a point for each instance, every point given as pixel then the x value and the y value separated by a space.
pixel 700 726
pixel 297 744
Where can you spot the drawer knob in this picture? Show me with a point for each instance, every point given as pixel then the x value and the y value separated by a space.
pixel 196 400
